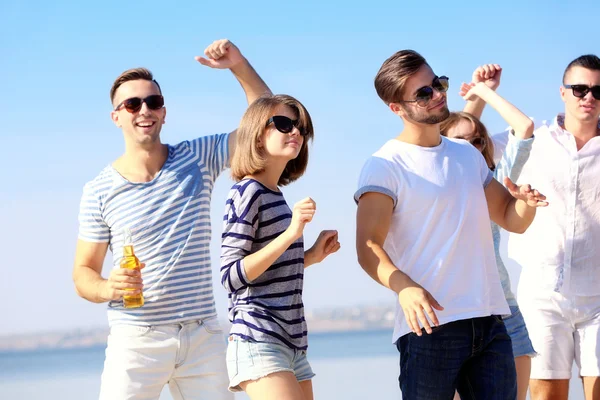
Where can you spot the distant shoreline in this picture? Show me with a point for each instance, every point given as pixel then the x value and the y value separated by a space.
pixel 321 322
pixel 102 346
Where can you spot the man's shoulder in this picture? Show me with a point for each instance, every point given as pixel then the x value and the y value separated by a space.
pixel 101 182
pixel 386 156
pixel 460 147
pixel 201 146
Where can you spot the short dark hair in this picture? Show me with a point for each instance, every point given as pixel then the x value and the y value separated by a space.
pixel 395 71
pixel 587 61
pixel 133 74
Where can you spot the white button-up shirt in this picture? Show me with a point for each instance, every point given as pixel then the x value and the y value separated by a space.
pixel 561 249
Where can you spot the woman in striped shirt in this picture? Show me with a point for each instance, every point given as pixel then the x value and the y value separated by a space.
pixel 262 253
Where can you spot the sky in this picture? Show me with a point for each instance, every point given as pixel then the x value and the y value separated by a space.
pixel 60 58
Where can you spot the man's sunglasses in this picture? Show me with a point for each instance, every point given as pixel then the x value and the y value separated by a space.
pixel 582 90
pixel 285 125
pixel 424 95
pixel 134 104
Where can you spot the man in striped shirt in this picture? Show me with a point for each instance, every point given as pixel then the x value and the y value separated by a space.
pixel 160 194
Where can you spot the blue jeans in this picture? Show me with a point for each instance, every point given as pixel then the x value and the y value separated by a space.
pixel 473 356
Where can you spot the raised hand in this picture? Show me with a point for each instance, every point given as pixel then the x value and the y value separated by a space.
pixel 123 282
pixel 414 300
pixel 489 74
pixel 303 213
pixel 327 243
pixel 221 54
pixel 532 197
pixel 471 91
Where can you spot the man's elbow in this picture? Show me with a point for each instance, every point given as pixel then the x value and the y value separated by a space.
pixel 520 228
pixel 76 285
pixel 362 259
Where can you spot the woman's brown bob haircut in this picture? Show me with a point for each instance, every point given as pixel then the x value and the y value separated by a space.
pixel 249 157
pixel 480 130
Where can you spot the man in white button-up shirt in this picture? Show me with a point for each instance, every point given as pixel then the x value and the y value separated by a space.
pixel 559 289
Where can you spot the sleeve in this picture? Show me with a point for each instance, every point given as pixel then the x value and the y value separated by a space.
pixel 500 141
pixel 240 224
pixel 92 227
pixel 516 155
pixel 377 176
pixel 484 171
pixel 213 151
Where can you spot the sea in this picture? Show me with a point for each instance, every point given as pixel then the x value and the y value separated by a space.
pixel 348 365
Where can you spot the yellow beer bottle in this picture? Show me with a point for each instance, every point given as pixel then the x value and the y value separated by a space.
pixel 130 261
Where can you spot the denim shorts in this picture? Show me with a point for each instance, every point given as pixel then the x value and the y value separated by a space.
pixel 249 360
pixel 517 330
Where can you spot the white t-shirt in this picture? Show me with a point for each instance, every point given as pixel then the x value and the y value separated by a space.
pixel 440 230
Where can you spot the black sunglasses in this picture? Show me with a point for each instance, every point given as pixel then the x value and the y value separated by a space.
pixel 285 125
pixel 424 95
pixel 582 90
pixel 476 141
pixel 134 104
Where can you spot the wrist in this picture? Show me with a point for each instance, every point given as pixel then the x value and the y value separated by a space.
pixel 309 258
pixel 240 67
pixel 289 237
pixel 400 281
pixel 101 290
pixel 482 90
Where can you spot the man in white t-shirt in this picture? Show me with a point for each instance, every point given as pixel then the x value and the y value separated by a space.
pixel 559 288
pixel 423 231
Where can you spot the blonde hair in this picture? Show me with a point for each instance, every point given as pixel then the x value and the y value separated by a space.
pixel 249 157
pixel 455 117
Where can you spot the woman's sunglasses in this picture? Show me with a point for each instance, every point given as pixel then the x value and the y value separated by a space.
pixel 582 90
pixel 424 95
pixel 285 125
pixel 134 104
pixel 477 141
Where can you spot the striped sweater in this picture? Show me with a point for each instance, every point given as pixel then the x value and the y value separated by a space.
pixel 268 309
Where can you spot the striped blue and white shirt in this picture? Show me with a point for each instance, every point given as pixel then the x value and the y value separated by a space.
pixel 169 219
pixel 268 309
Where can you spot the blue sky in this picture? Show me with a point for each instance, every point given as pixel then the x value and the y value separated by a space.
pixel 59 60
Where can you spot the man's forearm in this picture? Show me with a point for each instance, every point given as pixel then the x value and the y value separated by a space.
pixel 382 270
pixel 89 284
pixel 251 82
pixel 518 216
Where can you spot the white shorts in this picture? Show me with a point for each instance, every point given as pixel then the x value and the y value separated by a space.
pixel 189 357
pixel 563 329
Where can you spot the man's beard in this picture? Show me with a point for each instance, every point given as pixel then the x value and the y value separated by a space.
pixel 423 118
